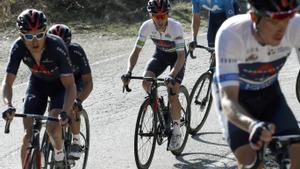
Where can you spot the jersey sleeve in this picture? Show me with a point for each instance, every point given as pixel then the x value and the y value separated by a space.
pixel 229 8
pixel 15 58
pixel 292 32
pixel 179 40
pixel 84 62
pixel 196 6
pixel 64 61
pixel 228 51
pixel 143 34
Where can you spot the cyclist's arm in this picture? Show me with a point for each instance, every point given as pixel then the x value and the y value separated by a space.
pixel 7 88
pixel 87 81
pixel 133 58
pixel 235 113
pixel 70 92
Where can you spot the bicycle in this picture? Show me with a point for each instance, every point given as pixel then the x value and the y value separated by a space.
pixel 298 87
pixel 276 153
pixel 153 124
pixel 201 97
pixel 67 136
pixel 34 156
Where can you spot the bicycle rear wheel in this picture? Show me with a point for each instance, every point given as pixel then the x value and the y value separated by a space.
pixel 183 97
pixel 145 136
pixel 85 140
pixel 200 102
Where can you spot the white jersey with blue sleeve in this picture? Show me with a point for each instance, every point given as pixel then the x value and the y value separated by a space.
pixel 242 61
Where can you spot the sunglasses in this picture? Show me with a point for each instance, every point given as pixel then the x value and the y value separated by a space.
pixel 278 15
pixel 160 16
pixel 30 37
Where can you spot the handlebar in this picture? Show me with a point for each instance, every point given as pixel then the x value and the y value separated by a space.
pixel 151 79
pixel 208 49
pixel 34 116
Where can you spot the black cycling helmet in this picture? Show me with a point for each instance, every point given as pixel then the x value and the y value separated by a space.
pixel 273 6
pixel 31 20
pixel 62 31
pixel 158 6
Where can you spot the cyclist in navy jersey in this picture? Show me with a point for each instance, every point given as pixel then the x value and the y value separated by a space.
pixel 219 11
pixel 51 77
pixel 167 35
pixel 83 79
pixel 251 49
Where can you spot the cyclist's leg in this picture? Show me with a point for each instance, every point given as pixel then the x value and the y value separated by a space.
pixel 35 103
pixel 154 68
pixel 214 22
pixel 286 124
pixel 56 93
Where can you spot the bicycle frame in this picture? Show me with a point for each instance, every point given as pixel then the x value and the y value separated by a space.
pixel 35 146
pixel 157 103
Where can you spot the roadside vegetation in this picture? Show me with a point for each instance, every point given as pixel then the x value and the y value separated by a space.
pixel 108 17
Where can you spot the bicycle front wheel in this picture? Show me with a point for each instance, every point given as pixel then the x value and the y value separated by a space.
pixel 200 102
pixel 183 97
pixel 298 87
pixel 145 136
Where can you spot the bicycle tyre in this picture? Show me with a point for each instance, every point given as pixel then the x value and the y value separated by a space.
pixel 152 135
pixel 48 152
pixel 196 91
pixel 85 135
pixel 298 87
pixel 184 121
pixel 33 160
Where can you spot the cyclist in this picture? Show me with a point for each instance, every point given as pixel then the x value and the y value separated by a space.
pixel 51 76
pixel 83 80
pixel 250 51
pixel 219 11
pixel 167 35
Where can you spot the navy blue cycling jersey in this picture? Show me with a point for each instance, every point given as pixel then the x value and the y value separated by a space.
pixel 80 63
pixel 55 61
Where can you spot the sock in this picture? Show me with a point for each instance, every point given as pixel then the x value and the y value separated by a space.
pixel 59 155
pixel 76 139
pixel 176 122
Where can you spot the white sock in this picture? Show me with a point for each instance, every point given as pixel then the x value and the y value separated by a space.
pixel 59 155
pixel 176 122
pixel 76 139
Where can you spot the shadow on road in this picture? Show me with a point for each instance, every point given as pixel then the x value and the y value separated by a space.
pixel 202 163
pixel 198 137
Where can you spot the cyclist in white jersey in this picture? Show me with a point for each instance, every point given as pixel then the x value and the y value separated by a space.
pixel 167 35
pixel 250 51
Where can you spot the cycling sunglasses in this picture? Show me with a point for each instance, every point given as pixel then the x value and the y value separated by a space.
pixel 161 16
pixel 30 37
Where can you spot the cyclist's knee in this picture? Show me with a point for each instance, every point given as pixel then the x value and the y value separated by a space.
pixel 146 85
pixel 244 155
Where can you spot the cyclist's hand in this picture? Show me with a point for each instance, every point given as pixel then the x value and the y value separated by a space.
pixel 63 118
pixel 126 78
pixel 192 45
pixel 77 106
pixel 260 133
pixel 169 81
pixel 9 113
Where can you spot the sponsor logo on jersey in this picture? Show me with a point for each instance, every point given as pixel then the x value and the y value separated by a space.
pixel 252 57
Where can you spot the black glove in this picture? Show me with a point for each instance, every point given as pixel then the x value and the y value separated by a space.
pixel 169 79
pixel 192 45
pixel 125 77
pixel 63 116
pixel 9 111
pixel 256 129
pixel 78 104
